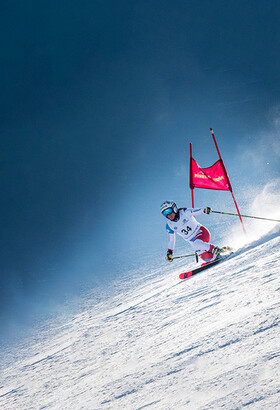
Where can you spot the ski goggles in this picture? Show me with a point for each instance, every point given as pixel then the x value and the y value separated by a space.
pixel 167 211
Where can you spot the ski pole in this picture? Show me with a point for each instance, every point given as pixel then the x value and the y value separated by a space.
pixel 184 256
pixel 246 216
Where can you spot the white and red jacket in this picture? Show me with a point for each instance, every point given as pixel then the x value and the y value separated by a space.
pixel 186 225
pixel 191 231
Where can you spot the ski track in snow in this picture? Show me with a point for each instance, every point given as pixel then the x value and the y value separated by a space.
pixel 210 342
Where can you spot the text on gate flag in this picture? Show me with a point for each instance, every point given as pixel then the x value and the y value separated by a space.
pixel 214 177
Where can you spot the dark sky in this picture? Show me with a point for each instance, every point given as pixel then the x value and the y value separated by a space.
pixel 99 100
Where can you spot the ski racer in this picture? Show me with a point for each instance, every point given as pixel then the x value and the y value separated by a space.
pixel 182 221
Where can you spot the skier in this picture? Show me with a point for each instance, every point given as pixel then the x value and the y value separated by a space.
pixel 182 221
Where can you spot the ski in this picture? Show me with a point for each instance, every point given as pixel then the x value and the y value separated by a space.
pixel 204 266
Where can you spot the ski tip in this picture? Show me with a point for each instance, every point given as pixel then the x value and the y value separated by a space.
pixel 186 275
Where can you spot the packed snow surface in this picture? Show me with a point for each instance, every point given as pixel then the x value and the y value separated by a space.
pixel 209 342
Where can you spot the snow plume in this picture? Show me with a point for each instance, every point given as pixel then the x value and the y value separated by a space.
pixel 260 161
pixel 264 204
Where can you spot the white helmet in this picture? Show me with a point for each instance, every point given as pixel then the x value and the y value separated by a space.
pixel 167 205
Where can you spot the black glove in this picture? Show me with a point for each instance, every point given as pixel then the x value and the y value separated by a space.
pixel 207 210
pixel 169 255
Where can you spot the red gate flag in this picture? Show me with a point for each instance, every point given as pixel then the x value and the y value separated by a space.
pixel 214 177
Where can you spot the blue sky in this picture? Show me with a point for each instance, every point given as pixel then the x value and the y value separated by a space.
pixel 99 102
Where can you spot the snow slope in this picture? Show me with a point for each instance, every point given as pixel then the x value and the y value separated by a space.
pixel 210 342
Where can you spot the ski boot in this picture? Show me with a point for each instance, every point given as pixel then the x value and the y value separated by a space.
pixel 221 251
pixel 225 249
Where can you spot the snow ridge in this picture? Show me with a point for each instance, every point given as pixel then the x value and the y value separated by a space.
pixel 208 342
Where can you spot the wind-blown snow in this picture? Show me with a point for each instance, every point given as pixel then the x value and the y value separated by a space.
pixel 209 342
